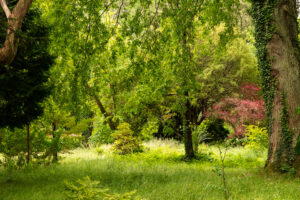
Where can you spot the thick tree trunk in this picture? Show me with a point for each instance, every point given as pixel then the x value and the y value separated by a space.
pixel 188 143
pixel 283 55
pixel 188 139
pixel 28 143
pixel 15 18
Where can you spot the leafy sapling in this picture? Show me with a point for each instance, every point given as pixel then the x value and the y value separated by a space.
pixel 220 169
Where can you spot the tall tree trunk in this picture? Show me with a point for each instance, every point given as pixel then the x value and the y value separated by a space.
pixel 278 54
pixel 15 18
pixel 28 143
pixel 188 139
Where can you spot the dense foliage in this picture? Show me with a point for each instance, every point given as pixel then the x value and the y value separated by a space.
pixel 174 99
pixel 243 110
pixel 113 75
pixel 125 141
pixel 23 83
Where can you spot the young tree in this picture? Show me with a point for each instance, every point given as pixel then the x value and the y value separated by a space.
pixel 278 56
pixel 23 82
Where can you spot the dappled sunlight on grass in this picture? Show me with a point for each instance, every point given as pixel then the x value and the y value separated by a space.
pixel 158 173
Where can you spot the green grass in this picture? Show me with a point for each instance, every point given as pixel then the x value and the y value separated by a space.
pixel 158 173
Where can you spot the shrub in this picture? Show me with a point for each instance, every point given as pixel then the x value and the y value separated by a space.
pixel 256 137
pixel 13 146
pixel 199 135
pixel 217 131
pixel 248 109
pixel 149 129
pixel 212 130
pixel 101 133
pixel 71 141
pixel 99 150
pixel 86 189
pixel 125 141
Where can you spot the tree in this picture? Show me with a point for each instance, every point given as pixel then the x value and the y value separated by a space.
pixel 85 57
pixel 24 80
pixel 140 59
pixel 14 23
pixel 186 70
pixel 276 35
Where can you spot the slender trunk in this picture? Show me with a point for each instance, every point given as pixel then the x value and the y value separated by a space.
pixel 282 92
pixel 54 153
pixel 87 134
pixel 108 116
pixel 28 143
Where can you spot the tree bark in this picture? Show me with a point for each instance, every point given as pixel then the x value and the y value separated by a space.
pixel 188 142
pixel 15 18
pixel 54 153
pixel 188 138
pixel 283 55
pixel 28 143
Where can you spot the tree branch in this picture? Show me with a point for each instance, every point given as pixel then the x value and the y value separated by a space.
pixel 119 12
pixel 107 115
pixel 5 8
pixel 9 49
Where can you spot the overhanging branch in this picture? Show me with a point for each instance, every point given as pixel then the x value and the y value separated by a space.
pixel 5 8
pixel 15 18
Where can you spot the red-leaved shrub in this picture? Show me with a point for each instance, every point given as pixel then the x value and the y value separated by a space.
pixel 247 109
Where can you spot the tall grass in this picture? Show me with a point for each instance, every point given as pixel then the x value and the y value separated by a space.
pixel 159 173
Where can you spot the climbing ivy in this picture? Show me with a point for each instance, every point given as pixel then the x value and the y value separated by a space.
pixel 286 136
pixel 262 14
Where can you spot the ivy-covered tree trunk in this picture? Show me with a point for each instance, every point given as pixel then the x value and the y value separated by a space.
pixel 278 56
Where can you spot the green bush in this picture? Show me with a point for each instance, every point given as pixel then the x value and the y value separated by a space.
pixel 125 141
pixel 217 131
pixel 149 129
pixel 256 137
pixel 86 189
pixel 199 135
pixel 208 131
pixel 13 146
pixel 101 133
pixel 71 141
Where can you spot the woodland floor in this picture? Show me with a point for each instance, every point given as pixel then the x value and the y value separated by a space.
pixel 158 173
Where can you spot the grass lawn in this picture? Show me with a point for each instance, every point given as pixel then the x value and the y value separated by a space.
pixel 158 173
